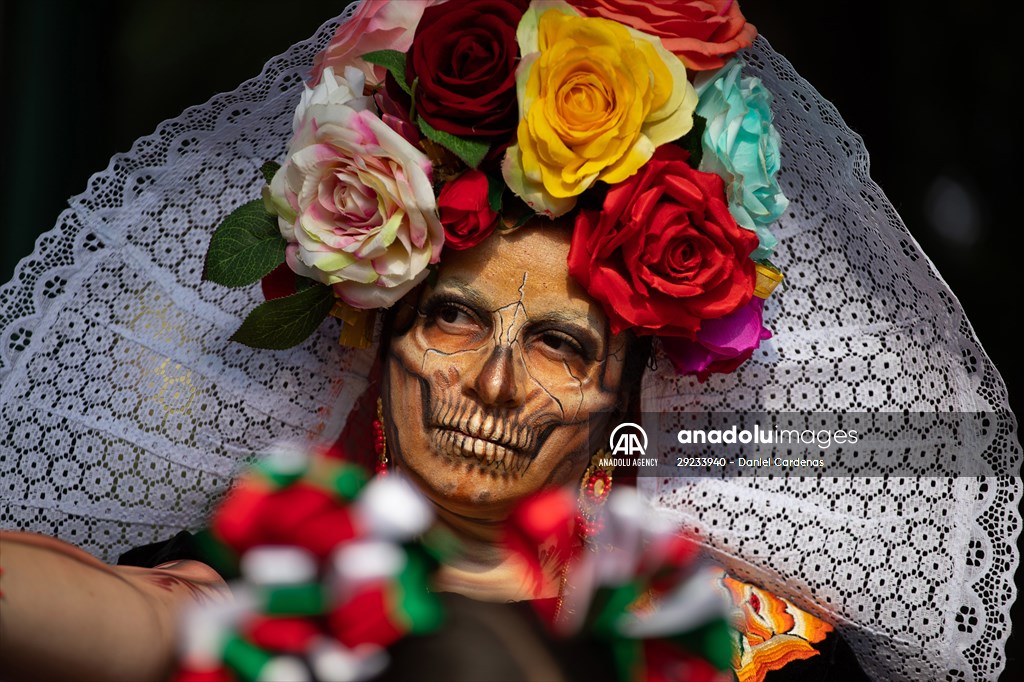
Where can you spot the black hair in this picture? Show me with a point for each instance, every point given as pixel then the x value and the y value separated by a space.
pixel 638 359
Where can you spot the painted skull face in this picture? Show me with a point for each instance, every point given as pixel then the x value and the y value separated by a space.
pixel 494 371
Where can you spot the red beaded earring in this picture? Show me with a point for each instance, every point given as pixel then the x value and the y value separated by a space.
pixel 594 490
pixel 380 443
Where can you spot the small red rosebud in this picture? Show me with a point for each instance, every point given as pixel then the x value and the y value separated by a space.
pixel 465 211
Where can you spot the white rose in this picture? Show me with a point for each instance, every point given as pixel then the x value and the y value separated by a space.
pixel 354 199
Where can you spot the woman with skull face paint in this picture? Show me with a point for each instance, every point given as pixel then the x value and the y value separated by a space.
pixel 493 374
pixel 497 359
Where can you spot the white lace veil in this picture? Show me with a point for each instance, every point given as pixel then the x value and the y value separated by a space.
pixel 124 410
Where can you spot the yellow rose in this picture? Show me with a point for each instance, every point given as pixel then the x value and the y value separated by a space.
pixel 595 100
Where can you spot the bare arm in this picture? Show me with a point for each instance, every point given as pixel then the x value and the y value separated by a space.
pixel 66 615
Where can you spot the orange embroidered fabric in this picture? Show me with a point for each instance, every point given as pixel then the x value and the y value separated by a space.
pixel 770 631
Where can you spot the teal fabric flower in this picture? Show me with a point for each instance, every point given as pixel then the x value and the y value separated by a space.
pixel 742 146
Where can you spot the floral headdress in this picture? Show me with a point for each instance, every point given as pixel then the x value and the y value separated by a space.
pixel 430 124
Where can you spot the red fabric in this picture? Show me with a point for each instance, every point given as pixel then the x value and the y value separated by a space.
pixel 222 674
pixel 285 635
pixel 233 522
pixel 665 662
pixel 355 444
pixel 366 618
pixel 300 514
pixel 668 563
pixel 307 516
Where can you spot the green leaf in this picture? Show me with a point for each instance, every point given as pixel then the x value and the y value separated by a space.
pixel 711 641
pixel 505 227
pixel 285 322
pixel 472 152
pixel 269 169
pixel 394 62
pixel 245 247
pixel 523 220
pixel 691 141
pixel 495 188
pixel 412 98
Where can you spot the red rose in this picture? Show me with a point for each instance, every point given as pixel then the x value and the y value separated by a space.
pixel 664 253
pixel 466 215
pixel 703 33
pixel 465 54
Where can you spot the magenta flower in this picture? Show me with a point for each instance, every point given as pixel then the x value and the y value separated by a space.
pixel 722 344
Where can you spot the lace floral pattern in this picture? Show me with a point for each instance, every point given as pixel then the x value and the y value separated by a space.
pixel 917 573
pixel 124 410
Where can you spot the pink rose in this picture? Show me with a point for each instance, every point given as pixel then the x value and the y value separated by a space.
pixel 703 33
pixel 375 25
pixel 355 199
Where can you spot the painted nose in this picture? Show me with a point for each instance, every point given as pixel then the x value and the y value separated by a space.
pixel 496 383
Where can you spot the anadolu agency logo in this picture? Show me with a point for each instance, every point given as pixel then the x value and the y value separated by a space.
pixel 628 443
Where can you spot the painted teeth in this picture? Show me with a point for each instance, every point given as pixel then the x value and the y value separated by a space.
pixel 491 455
pixel 465 430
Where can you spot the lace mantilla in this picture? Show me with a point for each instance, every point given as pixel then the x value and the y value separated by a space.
pixel 124 410
pixel 916 572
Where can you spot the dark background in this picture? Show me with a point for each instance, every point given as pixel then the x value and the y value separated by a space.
pixel 926 83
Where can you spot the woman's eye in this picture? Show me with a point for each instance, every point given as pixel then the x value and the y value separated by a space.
pixel 560 344
pixel 552 341
pixel 455 319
